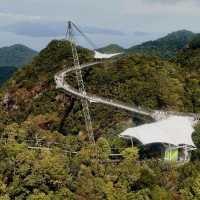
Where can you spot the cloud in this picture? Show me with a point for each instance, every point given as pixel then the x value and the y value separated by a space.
pixel 35 29
pixel 162 8
pixel 168 1
pixel 38 20
pixel 21 17
pixel 96 30
pixel 141 34
pixel 51 29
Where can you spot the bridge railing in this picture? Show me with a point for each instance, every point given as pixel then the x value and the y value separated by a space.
pixel 156 114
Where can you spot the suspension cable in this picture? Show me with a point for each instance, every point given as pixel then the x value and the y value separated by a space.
pixel 92 44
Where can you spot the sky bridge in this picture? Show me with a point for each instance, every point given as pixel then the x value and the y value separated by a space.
pixel 86 98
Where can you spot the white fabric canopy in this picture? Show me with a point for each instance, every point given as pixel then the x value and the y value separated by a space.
pixel 174 130
pixel 99 55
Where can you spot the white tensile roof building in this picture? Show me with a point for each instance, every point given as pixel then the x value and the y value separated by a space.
pixel 99 55
pixel 175 131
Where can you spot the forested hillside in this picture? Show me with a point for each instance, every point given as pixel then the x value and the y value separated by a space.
pixel 16 55
pixel 34 113
pixel 6 73
pixel 165 47
pixel 13 57
pixel 112 48
pixel 135 79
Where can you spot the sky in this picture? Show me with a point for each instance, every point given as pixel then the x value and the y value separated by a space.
pixel 126 22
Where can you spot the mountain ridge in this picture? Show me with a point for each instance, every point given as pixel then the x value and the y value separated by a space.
pixel 16 55
pixel 112 48
pixel 134 78
pixel 165 47
pixel 12 58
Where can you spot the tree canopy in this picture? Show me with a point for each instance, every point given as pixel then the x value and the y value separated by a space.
pixel 45 153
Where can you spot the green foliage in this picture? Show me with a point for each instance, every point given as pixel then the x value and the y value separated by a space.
pixel 161 194
pixel 39 196
pixel 27 173
pixel 141 80
pixel 196 135
pixel 16 55
pixel 165 47
pixel 195 42
pixel 196 140
pixel 145 81
pixel 189 61
pixel 6 73
pixel 112 48
pixel 189 181
pixel 34 113
pixel 196 187
pixel 103 148
pixel 130 153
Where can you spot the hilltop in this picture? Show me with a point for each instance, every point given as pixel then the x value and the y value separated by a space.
pixel 136 79
pixel 189 57
pixel 16 55
pixel 165 47
pixel 112 48
pixel 13 58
